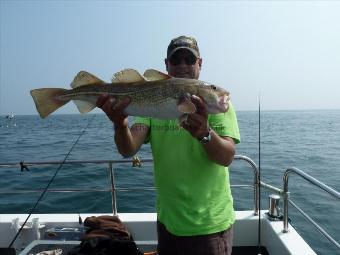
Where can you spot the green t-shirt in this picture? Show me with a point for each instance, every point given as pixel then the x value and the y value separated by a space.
pixel 193 193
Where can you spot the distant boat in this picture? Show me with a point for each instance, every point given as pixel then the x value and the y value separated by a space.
pixel 10 116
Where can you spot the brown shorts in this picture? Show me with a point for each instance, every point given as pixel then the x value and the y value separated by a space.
pixel 213 244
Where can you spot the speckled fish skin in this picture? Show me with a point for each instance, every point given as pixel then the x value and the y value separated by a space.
pixel 154 95
pixel 156 99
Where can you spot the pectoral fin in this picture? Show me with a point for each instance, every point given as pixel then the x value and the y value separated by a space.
pixel 185 105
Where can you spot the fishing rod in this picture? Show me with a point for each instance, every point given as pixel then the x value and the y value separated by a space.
pixel 259 181
pixel 50 182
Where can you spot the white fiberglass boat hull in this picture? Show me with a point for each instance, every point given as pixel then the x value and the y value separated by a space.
pixel 143 228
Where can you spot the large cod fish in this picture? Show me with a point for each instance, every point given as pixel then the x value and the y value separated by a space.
pixel 154 94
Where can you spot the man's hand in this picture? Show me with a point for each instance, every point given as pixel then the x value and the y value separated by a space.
pixel 197 123
pixel 114 110
pixel 220 150
pixel 128 140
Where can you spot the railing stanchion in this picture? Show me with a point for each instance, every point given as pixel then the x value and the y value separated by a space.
pixel 113 189
pixel 256 181
pixel 285 202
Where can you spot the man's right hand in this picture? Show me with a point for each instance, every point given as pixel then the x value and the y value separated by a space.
pixel 114 109
pixel 128 140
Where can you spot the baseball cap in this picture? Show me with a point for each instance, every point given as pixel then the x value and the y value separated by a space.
pixel 183 42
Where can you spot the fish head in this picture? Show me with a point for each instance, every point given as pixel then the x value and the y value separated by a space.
pixel 215 98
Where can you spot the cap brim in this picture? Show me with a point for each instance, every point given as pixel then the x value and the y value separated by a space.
pixel 186 48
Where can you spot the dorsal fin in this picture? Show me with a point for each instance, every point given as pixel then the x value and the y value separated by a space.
pixel 127 76
pixel 154 75
pixel 84 78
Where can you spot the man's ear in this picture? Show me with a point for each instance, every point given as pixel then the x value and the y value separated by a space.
pixel 166 63
pixel 200 63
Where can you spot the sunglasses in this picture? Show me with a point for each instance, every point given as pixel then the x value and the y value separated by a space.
pixel 188 60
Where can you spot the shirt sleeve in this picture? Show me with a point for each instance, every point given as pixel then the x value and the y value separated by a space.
pixel 145 121
pixel 225 124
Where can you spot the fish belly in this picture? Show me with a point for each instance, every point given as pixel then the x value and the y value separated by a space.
pixel 166 110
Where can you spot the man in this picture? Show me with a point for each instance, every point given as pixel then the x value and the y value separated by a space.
pixel 194 202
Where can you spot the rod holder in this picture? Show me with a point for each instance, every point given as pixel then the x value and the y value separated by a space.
pixel 274 206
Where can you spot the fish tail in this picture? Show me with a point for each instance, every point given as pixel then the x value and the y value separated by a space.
pixel 46 100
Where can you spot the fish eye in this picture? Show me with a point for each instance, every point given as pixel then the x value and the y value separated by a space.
pixel 213 87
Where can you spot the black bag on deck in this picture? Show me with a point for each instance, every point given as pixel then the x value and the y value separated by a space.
pixel 106 235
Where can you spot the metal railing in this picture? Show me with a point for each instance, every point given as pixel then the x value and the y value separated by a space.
pixel 284 193
pixel 286 199
pixel 113 188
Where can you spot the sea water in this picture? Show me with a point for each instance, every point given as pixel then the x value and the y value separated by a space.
pixel 308 140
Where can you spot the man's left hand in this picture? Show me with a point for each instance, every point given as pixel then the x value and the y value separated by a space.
pixel 197 123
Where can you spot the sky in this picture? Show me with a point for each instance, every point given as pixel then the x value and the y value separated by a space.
pixel 284 53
